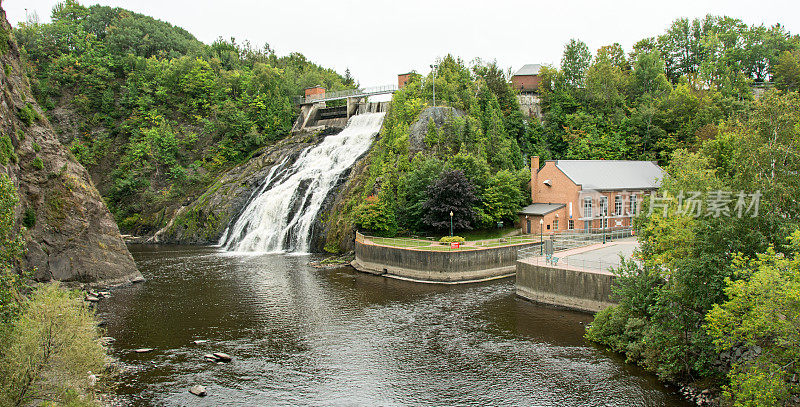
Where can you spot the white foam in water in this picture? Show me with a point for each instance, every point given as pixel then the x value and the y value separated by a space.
pixel 280 217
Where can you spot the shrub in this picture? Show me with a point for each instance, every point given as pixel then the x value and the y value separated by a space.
pixel 38 164
pixel 5 36
pixel 452 239
pixel 36 147
pixel 29 218
pixel 376 216
pixel 51 348
pixel 10 251
pixel 7 150
pixel 27 114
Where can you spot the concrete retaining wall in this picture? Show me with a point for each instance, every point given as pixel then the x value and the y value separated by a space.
pixel 437 266
pixel 580 290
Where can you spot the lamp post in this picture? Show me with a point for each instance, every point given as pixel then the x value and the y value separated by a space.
pixel 434 66
pixel 604 222
pixel 451 223
pixel 541 237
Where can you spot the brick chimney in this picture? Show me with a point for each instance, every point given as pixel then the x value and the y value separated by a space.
pixel 534 176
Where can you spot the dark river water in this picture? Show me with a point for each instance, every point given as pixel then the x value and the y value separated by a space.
pixel 305 337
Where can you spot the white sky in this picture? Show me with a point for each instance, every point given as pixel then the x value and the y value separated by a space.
pixel 377 39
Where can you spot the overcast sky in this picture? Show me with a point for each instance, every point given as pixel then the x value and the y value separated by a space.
pixel 378 39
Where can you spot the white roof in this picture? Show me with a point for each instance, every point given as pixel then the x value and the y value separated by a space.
pixel 528 69
pixel 612 174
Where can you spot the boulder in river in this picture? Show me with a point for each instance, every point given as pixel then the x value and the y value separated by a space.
pixel 222 357
pixel 218 357
pixel 198 390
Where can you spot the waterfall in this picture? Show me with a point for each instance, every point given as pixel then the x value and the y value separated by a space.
pixel 280 215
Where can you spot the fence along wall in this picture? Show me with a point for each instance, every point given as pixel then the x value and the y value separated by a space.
pixel 436 266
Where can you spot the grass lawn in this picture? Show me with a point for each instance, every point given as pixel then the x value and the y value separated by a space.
pixel 481 234
pixel 479 239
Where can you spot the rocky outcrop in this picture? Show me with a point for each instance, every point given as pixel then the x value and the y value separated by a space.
pixel 439 115
pixel 69 232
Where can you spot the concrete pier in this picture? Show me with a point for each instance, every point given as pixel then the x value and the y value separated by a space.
pixel 580 280
pixel 430 266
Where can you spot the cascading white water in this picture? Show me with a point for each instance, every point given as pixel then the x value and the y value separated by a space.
pixel 280 217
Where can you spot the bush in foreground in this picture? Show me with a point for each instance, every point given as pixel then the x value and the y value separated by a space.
pixel 52 349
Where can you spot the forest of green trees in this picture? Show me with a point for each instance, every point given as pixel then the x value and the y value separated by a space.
pixel 154 114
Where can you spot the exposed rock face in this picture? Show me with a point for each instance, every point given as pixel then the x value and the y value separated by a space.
pixel 440 115
pixel 69 232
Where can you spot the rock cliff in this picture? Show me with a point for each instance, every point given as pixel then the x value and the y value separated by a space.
pixel 69 232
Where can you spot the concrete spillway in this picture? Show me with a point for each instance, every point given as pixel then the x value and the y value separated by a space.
pixel 280 214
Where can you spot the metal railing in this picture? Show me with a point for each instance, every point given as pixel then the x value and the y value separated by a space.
pixel 343 94
pixel 532 256
pixel 571 240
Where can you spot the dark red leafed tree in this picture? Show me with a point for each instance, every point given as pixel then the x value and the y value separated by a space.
pixel 452 191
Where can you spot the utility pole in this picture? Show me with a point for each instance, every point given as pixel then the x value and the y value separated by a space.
pixel 434 67
pixel 541 236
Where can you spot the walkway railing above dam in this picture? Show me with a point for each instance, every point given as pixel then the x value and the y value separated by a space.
pixel 571 240
pixel 532 255
pixel 347 93
pixel 568 250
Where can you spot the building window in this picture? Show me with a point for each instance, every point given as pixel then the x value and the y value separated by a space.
pixel 571 224
pixel 604 211
pixel 618 205
pixel 633 205
pixel 555 224
pixel 587 207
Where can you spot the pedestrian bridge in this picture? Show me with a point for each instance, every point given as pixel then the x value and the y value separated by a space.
pixel 346 94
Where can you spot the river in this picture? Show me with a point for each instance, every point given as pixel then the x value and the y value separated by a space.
pixel 300 336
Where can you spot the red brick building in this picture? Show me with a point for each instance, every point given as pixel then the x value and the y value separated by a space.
pixel 584 195
pixel 527 79
pixel 403 79
pixel 316 92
